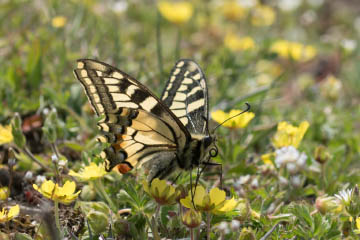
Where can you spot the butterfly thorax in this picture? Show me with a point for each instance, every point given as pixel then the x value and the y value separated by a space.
pixel 196 151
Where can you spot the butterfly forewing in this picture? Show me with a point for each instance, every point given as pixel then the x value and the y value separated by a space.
pixel 186 95
pixel 135 122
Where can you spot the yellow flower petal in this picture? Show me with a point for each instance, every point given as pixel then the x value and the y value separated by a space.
pixel 163 193
pixel 238 44
pixel 14 211
pixel 289 135
pixel 58 22
pixel 240 121
pixel 177 12
pixel 90 172
pixel 263 15
pixel 217 196
pixel 54 192
pixel 6 134
pixel 358 223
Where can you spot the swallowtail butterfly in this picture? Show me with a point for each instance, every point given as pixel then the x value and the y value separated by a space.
pixel 161 134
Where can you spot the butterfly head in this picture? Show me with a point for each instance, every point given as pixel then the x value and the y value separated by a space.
pixel 210 146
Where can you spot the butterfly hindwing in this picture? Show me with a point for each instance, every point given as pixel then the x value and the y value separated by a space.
pixel 138 126
pixel 186 95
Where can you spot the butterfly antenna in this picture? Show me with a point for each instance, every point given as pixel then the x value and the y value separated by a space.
pixel 246 110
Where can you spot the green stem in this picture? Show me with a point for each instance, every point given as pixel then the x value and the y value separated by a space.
pixel 101 190
pixel 158 45
pixel 208 218
pixel 191 233
pixel 27 152
pixel 56 212
pixel 157 211
pixel 178 44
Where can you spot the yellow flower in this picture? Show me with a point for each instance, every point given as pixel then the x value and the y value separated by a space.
pixel 90 172
pixel 238 44
pixel 289 135
pixel 4 193
pixel 233 11
pixel 268 158
pixel 357 223
pixel 6 134
pixel 8 215
pixel 214 201
pixel 163 193
pixel 263 15
pixel 293 50
pixel 64 194
pixel 331 87
pixel 240 121
pixel 177 12
pixel 58 21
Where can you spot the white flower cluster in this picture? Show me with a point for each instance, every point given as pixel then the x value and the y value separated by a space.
pixel 291 158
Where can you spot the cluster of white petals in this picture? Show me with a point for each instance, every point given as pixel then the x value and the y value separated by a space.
pixel 291 158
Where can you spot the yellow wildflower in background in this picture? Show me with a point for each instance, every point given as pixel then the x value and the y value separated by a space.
pixel 6 134
pixel 163 193
pixel 65 194
pixel 263 15
pixel 90 172
pixel 268 158
pixel 215 201
pixel 176 12
pixel 289 135
pixel 331 87
pixel 240 121
pixel 6 215
pixel 357 230
pixel 58 21
pixel 238 44
pixel 233 11
pixel 4 193
pixel 293 50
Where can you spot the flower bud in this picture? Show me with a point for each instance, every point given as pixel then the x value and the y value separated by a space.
pixel 191 218
pixel 4 193
pixel 326 204
pixel 98 221
pixel 243 210
pixel 354 207
pixel 88 193
pixel 121 228
pixel 321 155
pixel 19 138
pixel 247 234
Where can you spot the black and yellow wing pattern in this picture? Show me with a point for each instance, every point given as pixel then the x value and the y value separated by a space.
pixel 143 130
pixel 186 95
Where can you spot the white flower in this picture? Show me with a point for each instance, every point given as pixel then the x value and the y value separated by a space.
pixel 120 6
pixel 40 179
pixel 291 158
pixel 242 180
pixel 235 225
pixel 345 196
pixel 28 175
pixel 296 181
pixel 348 44
pixel 289 5
pixel 247 3
pixel 223 226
